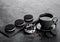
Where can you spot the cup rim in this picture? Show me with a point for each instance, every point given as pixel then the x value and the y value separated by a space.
pixel 46 15
pixel 46 20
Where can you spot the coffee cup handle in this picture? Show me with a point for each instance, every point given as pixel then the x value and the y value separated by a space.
pixel 55 20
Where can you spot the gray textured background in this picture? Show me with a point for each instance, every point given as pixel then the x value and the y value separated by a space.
pixel 10 10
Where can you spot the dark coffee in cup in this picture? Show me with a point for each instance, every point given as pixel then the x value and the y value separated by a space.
pixel 46 18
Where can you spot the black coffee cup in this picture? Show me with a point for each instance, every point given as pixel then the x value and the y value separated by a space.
pixel 47 20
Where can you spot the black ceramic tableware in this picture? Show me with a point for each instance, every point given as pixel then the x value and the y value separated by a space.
pixel 46 21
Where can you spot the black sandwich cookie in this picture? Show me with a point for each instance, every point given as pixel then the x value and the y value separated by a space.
pixel 28 18
pixel 10 28
pixel 19 23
